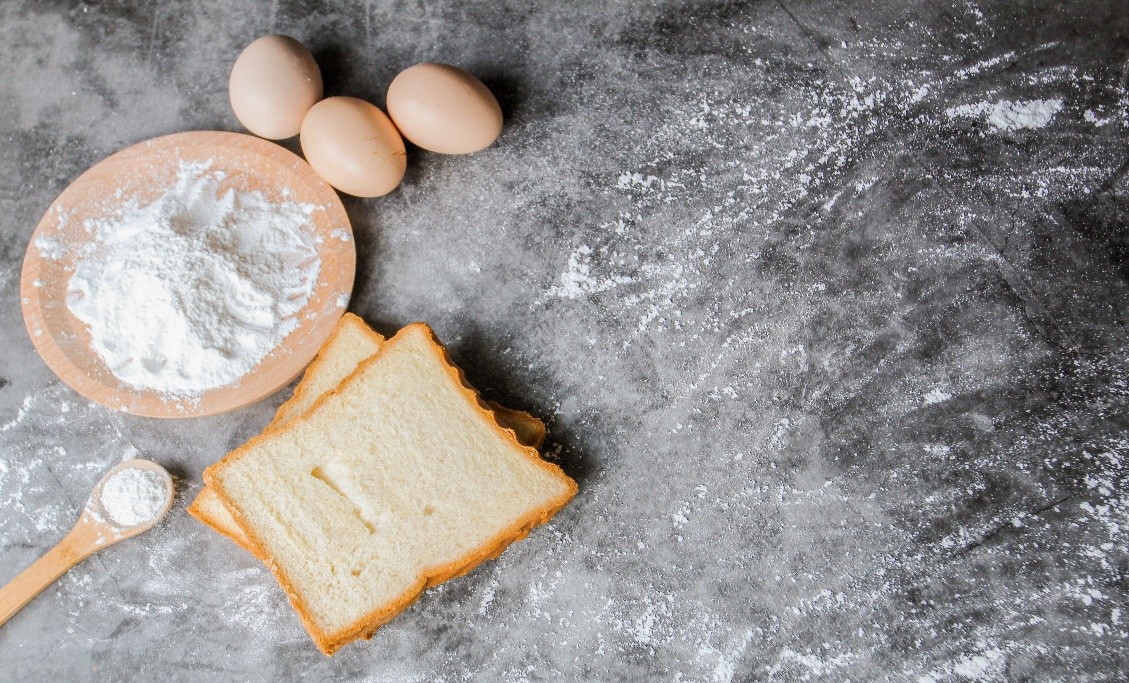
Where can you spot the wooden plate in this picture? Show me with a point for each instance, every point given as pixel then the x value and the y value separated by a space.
pixel 145 171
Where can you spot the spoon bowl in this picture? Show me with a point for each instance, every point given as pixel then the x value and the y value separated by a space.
pixel 97 517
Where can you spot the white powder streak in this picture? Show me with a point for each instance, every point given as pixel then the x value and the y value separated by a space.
pixel 1008 116
pixel 577 281
pixel 191 291
pixel 936 395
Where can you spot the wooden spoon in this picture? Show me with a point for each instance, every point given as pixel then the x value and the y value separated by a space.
pixel 94 530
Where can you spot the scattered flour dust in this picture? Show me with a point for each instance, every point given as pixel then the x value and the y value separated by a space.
pixel 191 291
pixel 134 496
pixel 989 663
pixel 1009 116
pixel 578 281
pixel 936 395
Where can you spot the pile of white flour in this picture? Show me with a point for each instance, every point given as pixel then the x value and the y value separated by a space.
pixel 134 496
pixel 191 291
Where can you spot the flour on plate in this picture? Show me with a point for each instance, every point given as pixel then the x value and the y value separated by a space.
pixel 191 291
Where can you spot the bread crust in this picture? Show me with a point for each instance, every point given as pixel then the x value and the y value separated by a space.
pixel 365 627
pixel 199 510
pixel 528 430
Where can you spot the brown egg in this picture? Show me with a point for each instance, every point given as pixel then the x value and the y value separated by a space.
pixel 444 109
pixel 273 84
pixel 354 146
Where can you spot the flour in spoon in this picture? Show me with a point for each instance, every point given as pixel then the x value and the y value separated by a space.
pixel 191 291
pixel 134 496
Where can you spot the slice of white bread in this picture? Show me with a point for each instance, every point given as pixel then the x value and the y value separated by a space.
pixel 352 341
pixel 398 480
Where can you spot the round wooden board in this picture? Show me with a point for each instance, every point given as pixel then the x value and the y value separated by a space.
pixel 144 171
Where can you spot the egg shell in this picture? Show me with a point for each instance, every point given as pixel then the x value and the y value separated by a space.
pixel 444 109
pixel 354 146
pixel 273 83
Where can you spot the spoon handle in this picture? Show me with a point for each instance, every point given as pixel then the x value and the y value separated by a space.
pixel 74 548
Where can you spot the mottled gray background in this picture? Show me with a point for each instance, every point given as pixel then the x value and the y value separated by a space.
pixel 835 348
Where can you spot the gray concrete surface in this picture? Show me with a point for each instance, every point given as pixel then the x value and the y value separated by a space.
pixel 823 302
